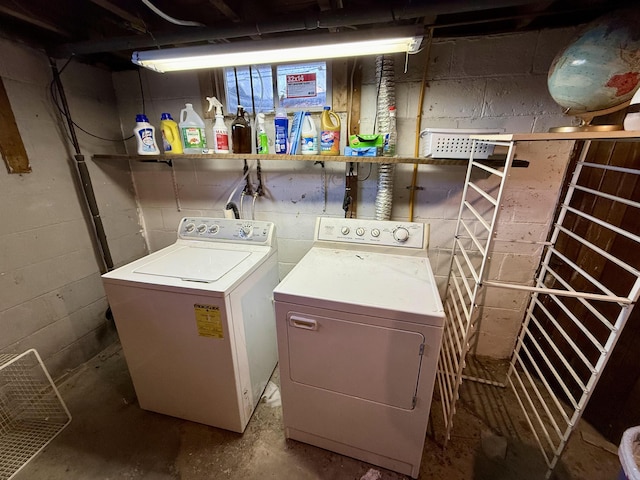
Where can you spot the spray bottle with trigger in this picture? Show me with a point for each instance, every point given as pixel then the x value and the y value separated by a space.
pixel 220 131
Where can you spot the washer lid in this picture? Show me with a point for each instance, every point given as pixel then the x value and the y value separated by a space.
pixel 194 264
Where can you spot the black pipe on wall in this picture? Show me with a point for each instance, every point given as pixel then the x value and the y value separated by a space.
pixel 83 174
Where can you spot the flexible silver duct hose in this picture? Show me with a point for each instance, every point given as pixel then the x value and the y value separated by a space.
pixel 386 98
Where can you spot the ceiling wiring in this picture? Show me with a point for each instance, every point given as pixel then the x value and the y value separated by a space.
pixel 53 93
pixel 170 19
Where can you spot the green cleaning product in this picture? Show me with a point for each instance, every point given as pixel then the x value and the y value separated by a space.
pixel 262 141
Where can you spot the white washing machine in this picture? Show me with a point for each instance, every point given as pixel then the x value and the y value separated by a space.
pixel 196 321
pixel 359 322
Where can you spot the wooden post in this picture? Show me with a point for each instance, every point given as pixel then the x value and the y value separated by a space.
pixel 11 146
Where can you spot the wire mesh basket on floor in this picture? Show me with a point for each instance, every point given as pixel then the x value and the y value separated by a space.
pixel 32 412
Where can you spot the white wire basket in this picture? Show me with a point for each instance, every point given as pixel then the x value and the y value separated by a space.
pixel 32 412
pixel 454 143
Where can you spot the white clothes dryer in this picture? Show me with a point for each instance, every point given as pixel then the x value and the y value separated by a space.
pixel 359 323
pixel 196 321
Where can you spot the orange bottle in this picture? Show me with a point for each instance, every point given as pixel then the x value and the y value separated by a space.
pixel 329 132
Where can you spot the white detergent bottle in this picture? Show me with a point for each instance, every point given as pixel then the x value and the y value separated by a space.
pixel 309 136
pixel 145 136
pixel 220 130
pixel 192 130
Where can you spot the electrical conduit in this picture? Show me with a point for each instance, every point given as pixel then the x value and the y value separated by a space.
pixel 416 149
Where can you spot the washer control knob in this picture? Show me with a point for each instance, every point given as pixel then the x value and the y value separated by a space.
pixel 345 230
pixel 213 229
pixel 201 228
pixel 190 227
pixel 401 234
pixel 360 231
pixel 375 232
pixel 245 231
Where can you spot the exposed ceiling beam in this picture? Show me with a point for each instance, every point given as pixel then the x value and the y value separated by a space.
pixel 288 23
pixel 330 5
pixel 33 20
pixel 227 11
pixel 134 21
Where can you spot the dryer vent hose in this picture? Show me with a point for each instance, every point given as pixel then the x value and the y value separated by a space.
pixel 386 98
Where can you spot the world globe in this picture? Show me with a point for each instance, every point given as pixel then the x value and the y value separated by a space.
pixel 600 69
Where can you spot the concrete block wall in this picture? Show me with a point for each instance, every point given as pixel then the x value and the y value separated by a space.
pixel 487 82
pixel 51 295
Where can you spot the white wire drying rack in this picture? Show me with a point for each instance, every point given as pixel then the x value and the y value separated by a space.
pixel 573 319
pixel 32 412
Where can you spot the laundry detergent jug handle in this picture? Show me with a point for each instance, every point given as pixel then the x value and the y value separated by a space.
pixel 183 115
pixel 335 119
pixel 168 133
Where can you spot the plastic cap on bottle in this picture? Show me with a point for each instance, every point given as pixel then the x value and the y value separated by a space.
pixel 141 118
pixel 327 108
pixel 165 116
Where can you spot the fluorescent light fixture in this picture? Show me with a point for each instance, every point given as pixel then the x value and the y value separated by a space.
pixel 281 50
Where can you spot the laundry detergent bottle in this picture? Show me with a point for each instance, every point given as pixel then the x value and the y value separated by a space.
pixel 145 134
pixel 281 125
pixel 192 130
pixel 329 132
pixel 171 141
pixel 309 136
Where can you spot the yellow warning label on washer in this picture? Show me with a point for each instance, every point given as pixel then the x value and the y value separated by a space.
pixel 208 321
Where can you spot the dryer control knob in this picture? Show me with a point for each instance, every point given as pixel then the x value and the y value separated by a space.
pixel 201 228
pixel 190 228
pixel 375 232
pixel 345 230
pixel 360 231
pixel 401 234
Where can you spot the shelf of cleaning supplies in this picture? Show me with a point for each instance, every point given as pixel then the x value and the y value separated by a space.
pixel 493 160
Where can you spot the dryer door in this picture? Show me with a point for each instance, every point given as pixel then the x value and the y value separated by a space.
pixel 354 358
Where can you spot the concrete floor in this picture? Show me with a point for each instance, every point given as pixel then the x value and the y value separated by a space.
pixel 111 438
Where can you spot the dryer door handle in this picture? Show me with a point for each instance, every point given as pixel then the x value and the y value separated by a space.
pixel 304 323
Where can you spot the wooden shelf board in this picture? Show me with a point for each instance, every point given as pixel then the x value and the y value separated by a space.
pixel 493 160
pixel 532 137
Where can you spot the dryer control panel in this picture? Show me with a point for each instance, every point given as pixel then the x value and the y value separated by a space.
pixel 384 233
pixel 226 230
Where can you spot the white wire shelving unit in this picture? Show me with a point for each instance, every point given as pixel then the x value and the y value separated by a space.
pixel 32 412
pixel 573 319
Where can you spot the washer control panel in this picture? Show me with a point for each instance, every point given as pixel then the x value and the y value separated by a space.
pixel 226 230
pixel 385 233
